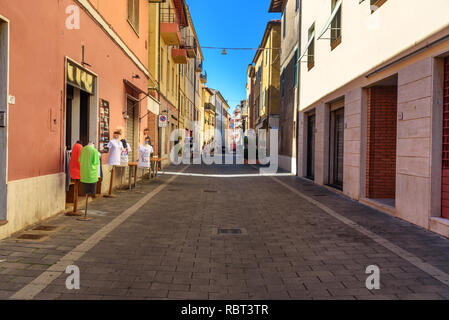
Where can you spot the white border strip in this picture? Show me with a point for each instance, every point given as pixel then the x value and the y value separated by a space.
pixel 404 254
pixel 47 277
pixel 229 175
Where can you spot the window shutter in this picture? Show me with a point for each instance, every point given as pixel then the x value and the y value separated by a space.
pixel 136 15
pixel 130 10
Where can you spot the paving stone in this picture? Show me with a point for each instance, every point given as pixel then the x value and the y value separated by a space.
pixel 293 249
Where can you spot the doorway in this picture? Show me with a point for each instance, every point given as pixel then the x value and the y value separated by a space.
pixel 84 117
pixel 311 129
pixel 4 69
pixel 382 142
pixel 336 145
pixel 77 119
pixel 130 128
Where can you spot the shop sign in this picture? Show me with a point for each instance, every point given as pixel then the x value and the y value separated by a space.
pixel 80 78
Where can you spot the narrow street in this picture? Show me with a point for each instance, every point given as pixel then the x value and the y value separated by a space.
pixel 160 241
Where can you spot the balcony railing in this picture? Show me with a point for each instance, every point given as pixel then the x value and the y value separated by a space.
pixel 203 78
pixel 209 106
pixel 199 66
pixel 168 15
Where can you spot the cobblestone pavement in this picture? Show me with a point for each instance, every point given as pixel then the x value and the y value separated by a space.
pixel 168 248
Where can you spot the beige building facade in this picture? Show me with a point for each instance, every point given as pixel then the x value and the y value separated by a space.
pixel 374 92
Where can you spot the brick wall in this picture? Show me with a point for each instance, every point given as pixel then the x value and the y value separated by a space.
pixel 381 137
pixel 445 177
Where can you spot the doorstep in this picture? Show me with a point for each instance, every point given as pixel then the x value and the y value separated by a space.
pixel 439 225
pixel 379 206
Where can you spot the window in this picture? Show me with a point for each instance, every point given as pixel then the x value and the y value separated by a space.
pixel 297 5
pixel 311 49
pixel 133 14
pixel 162 64
pixel 336 26
pixel 296 68
pixel 173 79
pixel 376 4
pixel 284 21
pixel 168 75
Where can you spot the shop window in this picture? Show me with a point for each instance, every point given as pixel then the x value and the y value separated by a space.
pixel 336 27
pixel 133 14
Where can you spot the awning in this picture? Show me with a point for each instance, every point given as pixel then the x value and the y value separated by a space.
pixel 153 105
pixel 134 87
pixel 329 21
pixel 312 36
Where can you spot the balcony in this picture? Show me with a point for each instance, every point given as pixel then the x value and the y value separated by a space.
pixel 209 106
pixel 170 27
pixel 203 78
pixel 199 66
pixel 189 43
pixel 179 56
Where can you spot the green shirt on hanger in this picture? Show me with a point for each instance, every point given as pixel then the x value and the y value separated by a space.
pixel 89 161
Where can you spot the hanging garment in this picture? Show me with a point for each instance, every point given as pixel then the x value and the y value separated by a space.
pixel 68 156
pixel 74 163
pixel 115 149
pixel 145 152
pixel 89 188
pixel 89 162
pixel 124 155
pixel 100 166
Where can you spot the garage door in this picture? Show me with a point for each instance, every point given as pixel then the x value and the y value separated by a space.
pixel 445 174
pixel 311 146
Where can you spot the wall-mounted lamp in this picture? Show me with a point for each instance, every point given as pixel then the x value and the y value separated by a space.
pixel 125 115
pixel 224 52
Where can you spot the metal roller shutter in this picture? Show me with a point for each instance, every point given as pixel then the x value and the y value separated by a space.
pixel 445 173
pixel 130 135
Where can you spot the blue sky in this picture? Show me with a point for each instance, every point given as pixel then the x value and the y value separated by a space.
pixel 231 23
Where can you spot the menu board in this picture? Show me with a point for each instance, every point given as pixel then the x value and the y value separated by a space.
pixel 104 126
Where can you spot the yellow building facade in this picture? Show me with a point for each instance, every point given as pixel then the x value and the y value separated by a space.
pixel 267 77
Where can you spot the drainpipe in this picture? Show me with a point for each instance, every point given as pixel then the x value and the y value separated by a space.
pixel 267 96
pixel 298 63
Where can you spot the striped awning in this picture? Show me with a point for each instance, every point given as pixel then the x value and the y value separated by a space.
pixel 311 38
pixel 329 21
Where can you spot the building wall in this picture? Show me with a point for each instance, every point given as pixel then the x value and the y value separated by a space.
pixel 38 84
pixel 289 41
pixel 115 12
pixel 368 30
pixel 274 84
